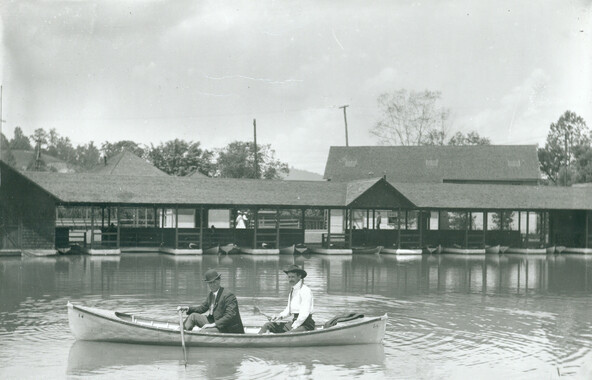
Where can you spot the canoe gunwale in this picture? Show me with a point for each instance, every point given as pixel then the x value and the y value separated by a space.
pixel 116 319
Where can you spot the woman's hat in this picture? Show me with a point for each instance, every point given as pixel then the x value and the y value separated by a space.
pixel 211 275
pixel 295 269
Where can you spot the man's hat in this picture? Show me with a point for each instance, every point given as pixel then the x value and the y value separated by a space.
pixel 211 275
pixel 295 269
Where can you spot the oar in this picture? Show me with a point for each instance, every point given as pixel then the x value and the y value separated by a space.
pixel 182 328
pixel 258 311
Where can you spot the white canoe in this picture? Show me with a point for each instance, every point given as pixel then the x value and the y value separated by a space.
pixel 88 323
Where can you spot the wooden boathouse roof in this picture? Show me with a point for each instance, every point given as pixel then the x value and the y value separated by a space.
pixel 127 163
pixel 371 193
pixel 512 164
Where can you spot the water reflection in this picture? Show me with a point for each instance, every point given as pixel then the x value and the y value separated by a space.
pixel 448 313
pixel 86 358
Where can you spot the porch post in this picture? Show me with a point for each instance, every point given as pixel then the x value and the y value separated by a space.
pixel 329 228
pixel 277 228
pixel 587 229
pixel 176 226
pixel 118 229
pixel 92 227
pixel 256 222
pixel 351 227
pixel 467 228
pixel 485 214
pixel 303 221
pixel 520 227
pixel 399 228
pixel 201 229
pixel 420 221
pixel 527 228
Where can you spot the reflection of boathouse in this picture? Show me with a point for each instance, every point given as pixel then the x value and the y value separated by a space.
pixel 404 197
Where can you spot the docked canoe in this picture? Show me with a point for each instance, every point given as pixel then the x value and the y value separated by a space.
pixel 495 249
pixel 88 323
pixel 300 249
pixel 527 251
pixel 464 251
pixel 401 251
pixel 289 250
pixel 212 250
pixel 230 248
pixel 366 250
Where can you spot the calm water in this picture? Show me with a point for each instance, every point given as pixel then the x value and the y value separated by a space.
pixel 485 317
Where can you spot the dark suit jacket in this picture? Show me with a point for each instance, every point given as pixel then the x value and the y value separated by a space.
pixel 226 314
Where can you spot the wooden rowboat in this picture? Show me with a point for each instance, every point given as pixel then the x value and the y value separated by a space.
pixel 495 249
pixel 212 250
pixel 300 248
pixel 230 248
pixel 289 250
pixel 366 250
pixel 89 323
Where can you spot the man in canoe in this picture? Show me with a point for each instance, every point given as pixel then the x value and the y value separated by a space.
pixel 219 312
pixel 300 306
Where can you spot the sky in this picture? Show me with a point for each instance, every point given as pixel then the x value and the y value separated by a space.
pixel 153 71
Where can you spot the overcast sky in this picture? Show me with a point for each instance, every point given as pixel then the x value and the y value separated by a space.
pixel 152 71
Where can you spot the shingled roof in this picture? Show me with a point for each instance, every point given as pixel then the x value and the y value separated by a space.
pixel 508 197
pixel 127 163
pixel 480 163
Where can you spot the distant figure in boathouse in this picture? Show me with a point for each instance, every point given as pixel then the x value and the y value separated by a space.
pixel 300 306
pixel 218 313
pixel 241 220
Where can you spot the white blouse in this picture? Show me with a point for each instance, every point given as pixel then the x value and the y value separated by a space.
pixel 300 303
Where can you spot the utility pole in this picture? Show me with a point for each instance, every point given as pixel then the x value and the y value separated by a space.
pixel 255 143
pixel 345 119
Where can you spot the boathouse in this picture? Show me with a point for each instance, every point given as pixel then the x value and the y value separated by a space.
pixel 371 198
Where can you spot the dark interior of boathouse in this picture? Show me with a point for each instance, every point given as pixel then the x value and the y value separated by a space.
pixel 402 197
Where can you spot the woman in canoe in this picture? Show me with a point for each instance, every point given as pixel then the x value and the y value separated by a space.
pixel 300 305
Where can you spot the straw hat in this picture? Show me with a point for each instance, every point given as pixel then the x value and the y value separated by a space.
pixel 295 269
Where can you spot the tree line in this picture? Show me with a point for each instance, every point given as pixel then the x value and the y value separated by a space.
pixel 175 157
pixel 406 118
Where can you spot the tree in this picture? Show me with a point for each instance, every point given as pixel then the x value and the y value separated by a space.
pixel 20 141
pixel 471 138
pixel 6 156
pixel 411 118
pixel 111 149
pixel 87 156
pixel 583 163
pixel 60 147
pixel 237 160
pixel 179 157
pixel 566 137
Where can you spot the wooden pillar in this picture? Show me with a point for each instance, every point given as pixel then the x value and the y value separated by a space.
pixel 329 228
pixel 256 222
pixel 162 216
pixel 277 228
pixel 467 228
pixel 420 223
pixel 527 228
pixel 118 229
pixel 367 218
pixel 485 216
pixel 399 228
pixel 520 227
pixel 351 227
pixel 102 217
pixel 92 227
pixel 586 233
pixel 303 223
pixel 373 218
pixel 201 229
pixel 176 226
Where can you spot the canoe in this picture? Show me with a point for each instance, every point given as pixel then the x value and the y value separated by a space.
pixel 230 248
pixel 212 250
pixel 550 250
pixel 402 251
pixel 366 250
pixel 300 248
pixel 495 249
pixel 89 323
pixel 287 250
pixel 528 251
pixel 259 251
pixel 464 251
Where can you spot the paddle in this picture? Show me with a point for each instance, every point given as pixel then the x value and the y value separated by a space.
pixel 182 329
pixel 258 311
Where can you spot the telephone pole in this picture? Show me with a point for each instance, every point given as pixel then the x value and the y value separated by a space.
pixel 255 143
pixel 345 119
